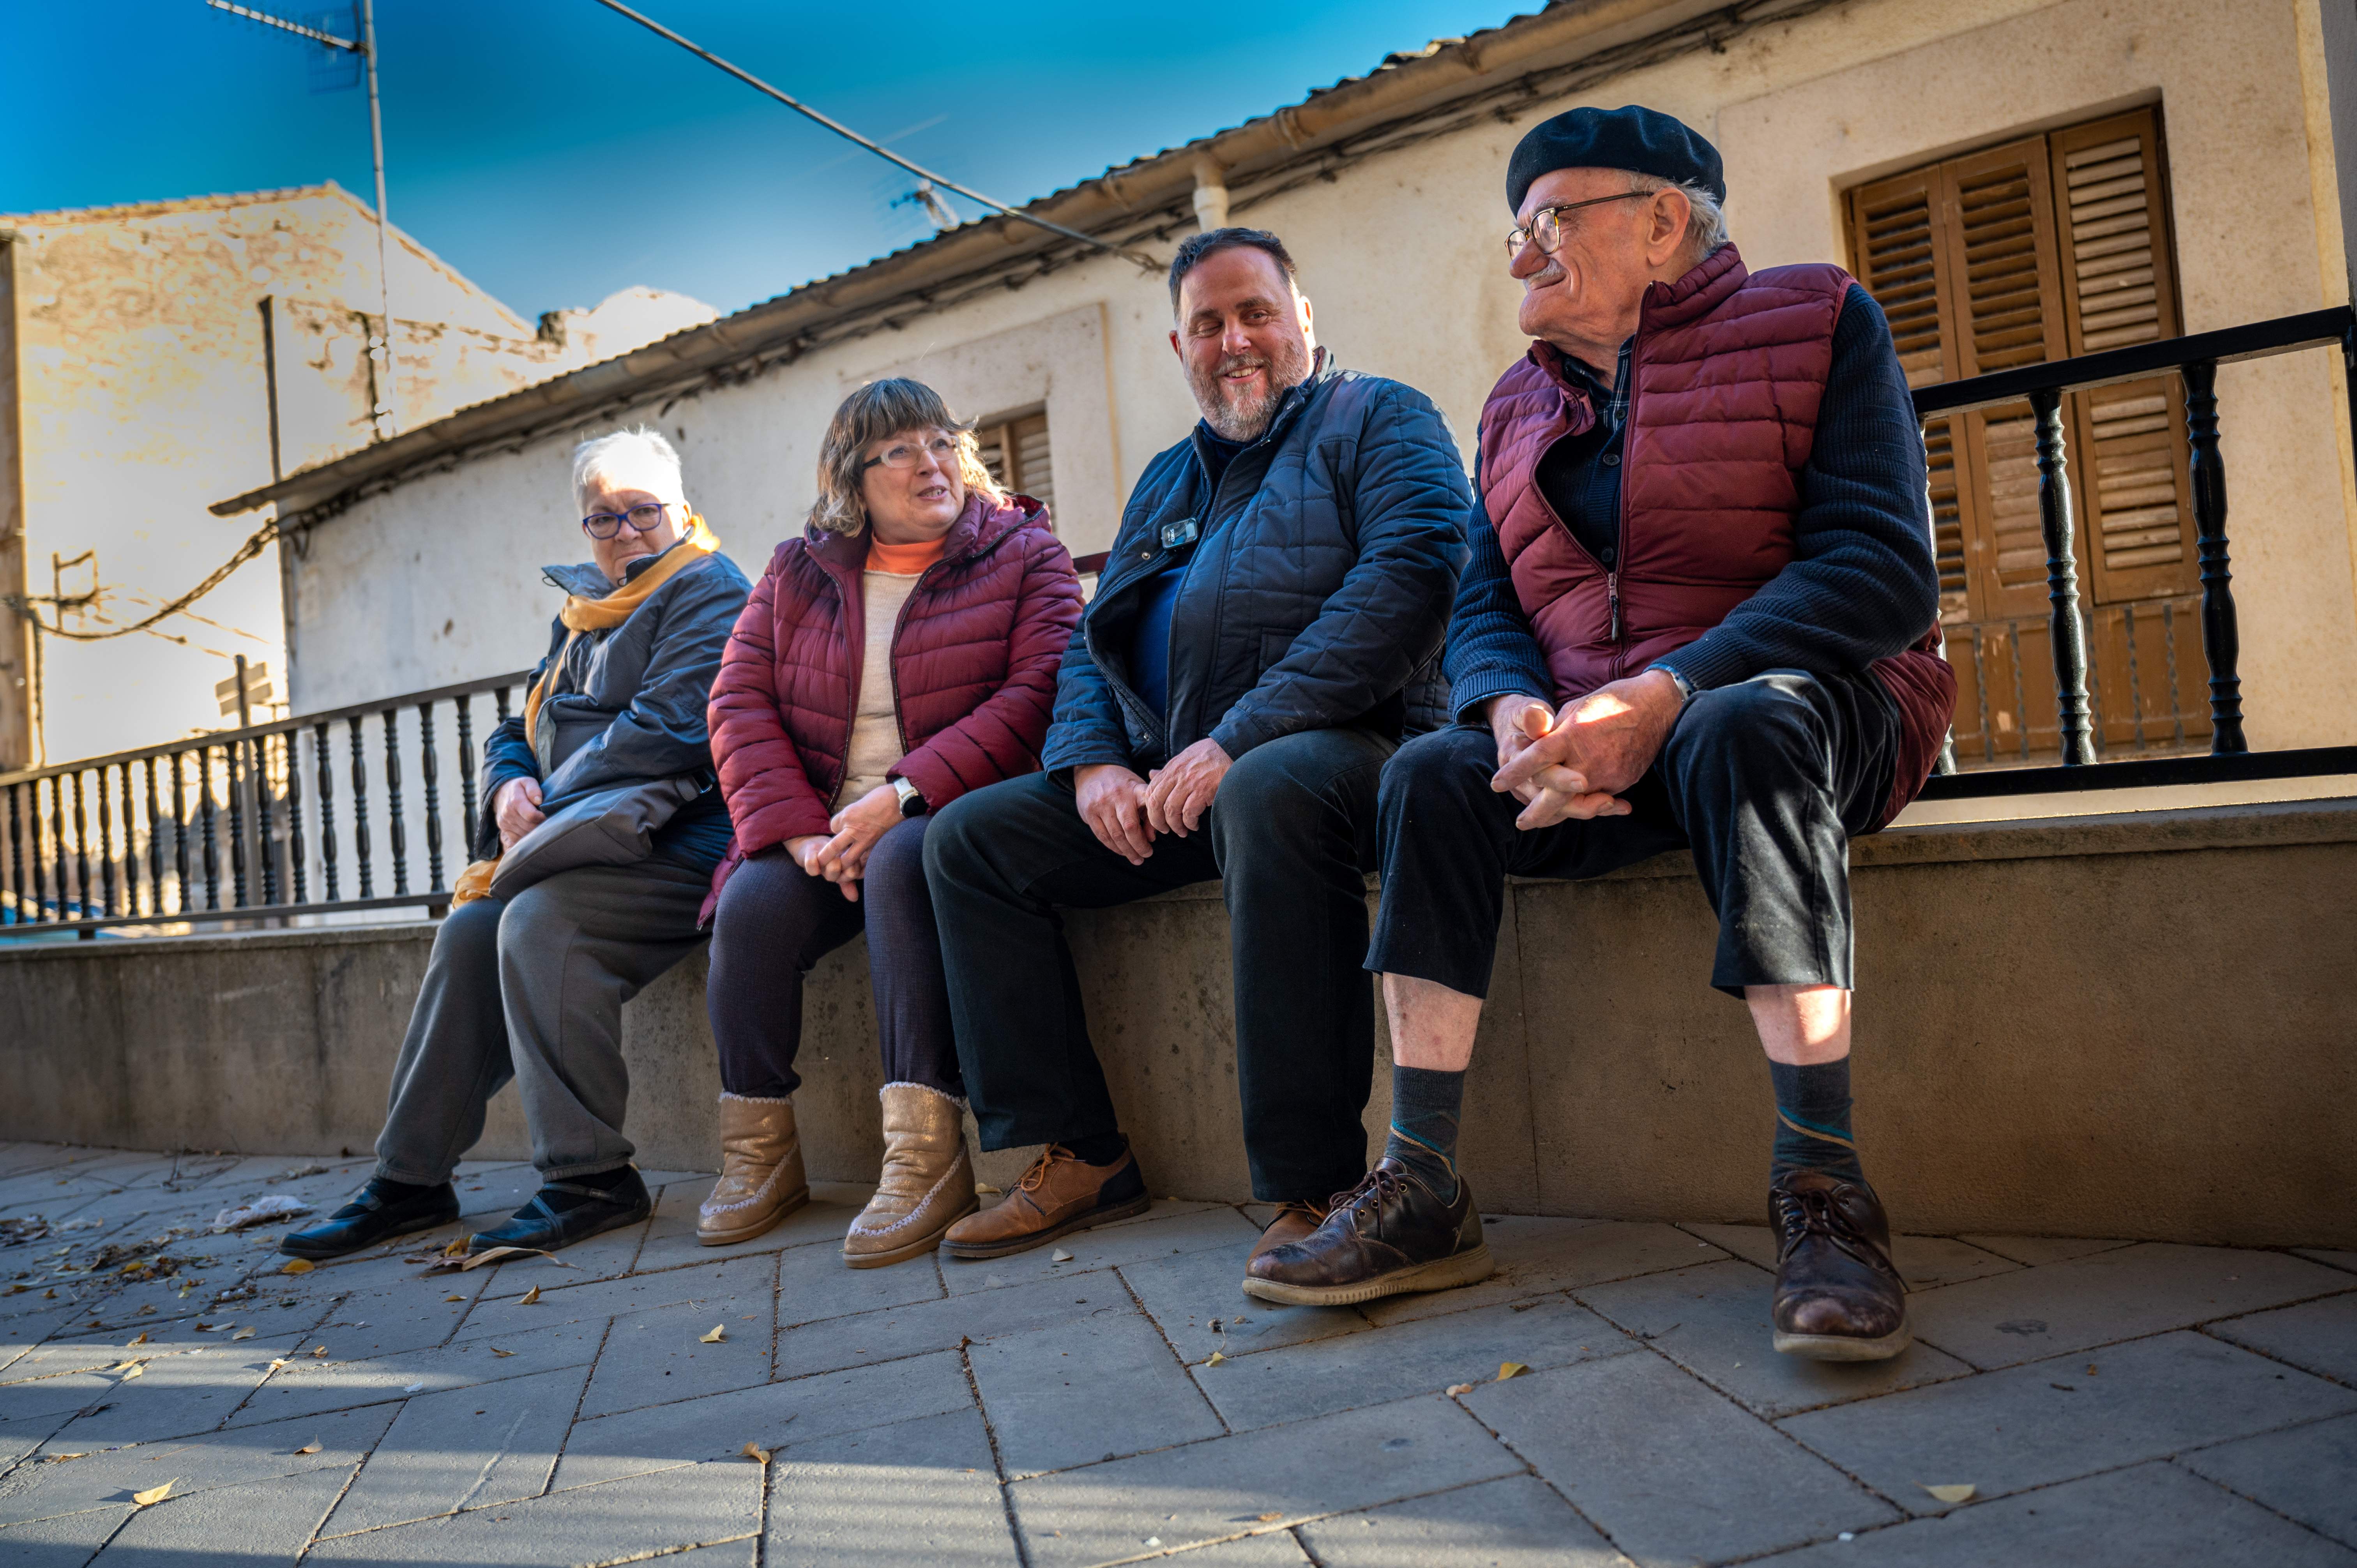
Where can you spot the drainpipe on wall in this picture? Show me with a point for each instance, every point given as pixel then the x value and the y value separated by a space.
pixel 1211 195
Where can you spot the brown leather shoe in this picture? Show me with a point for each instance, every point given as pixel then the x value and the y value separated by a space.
pixel 1388 1235
pixel 1838 1296
pixel 1293 1222
pixel 761 1171
pixel 1060 1194
pixel 927 1180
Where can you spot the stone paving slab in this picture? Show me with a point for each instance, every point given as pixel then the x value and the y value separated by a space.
pixel 2319 1337
pixel 1062 1412
pixel 1666 1468
pixel 933 1477
pixel 1201 1492
pixel 1080 1392
pixel 1426 1356
pixel 57 1483
pixel 2051 1420
pixel 1713 1320
pixel 2122 1294
pixel 2154 1516
pixel 2330 1257
pixel 1519 1522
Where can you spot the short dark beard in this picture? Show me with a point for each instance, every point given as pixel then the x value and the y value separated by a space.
pixel 1247 420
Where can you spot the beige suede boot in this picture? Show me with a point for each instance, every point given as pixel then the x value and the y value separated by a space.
pixel 927 1182
pixel 761 1171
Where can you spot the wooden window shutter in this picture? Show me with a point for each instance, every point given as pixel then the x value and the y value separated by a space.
pixel 2128 449
pixel 1015 451
pixel 1895 244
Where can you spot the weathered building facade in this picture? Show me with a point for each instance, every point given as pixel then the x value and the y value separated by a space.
pixel 154 357
pixel 2016 179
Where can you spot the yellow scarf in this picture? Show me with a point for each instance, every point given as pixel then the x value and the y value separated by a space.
pixel 580 615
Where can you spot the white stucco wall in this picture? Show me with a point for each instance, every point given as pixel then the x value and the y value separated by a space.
pixel 434 581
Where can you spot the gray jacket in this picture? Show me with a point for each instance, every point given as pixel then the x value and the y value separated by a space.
pixel 628 703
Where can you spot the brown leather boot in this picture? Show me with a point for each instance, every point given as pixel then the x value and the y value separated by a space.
pixel 1060 1194
pixel 1838 1296
pixel 761 1171
pixel 1293 1222
pixel 928 1181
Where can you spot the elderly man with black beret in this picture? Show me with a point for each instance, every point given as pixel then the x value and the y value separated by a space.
pixel 1701 613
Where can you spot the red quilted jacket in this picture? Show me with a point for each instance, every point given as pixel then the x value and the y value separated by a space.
pixel 1725 378
pixel 974 672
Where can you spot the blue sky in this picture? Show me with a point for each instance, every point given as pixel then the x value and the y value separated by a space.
pixel 555 152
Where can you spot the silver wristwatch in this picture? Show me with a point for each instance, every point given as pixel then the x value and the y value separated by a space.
pixel 912 804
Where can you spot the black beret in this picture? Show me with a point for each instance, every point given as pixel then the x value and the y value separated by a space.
pixel 1643 140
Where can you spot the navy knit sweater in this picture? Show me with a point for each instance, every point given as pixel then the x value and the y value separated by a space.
pixel 1862 585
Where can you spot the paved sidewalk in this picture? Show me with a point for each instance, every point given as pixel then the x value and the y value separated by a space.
pixel 2106 1401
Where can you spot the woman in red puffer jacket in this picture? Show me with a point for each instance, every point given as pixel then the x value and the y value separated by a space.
pixel 900 653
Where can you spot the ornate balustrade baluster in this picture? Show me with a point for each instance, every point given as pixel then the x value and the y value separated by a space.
pixel 105 848
pixel 81 850
pixel 429 772
pixel 2069 635
pixel 298 854
pixel 263 832
pixel 131 903
pixel 396 830
pixel 360 856
pixel 2221 638
pixel 16 912
pixel 233 762
pixel 466 707
pixel 57 846
pixel 180 833
pixel 209 812
pixel 326 777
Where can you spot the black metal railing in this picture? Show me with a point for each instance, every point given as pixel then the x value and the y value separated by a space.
pixel 298 816
pixel 2196 358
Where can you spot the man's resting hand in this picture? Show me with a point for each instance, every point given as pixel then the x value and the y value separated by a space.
pixel 1111 801
pixel 1575 763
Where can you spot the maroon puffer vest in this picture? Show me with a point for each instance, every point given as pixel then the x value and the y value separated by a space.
pixel 1727 373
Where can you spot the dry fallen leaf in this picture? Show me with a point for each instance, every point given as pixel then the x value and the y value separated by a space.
pixel 497 1351
pixel 756 1453
pixel 245 1334
pixel 61 1459
pixel 310 1447
pixel 296 1266
pixel 1270 1518
pixel 278 1364
pixel 454 1298
pixel 138 1370
pixel 719 1332
pixel 1217 1357
pixel 153 1495
pixel 1455 1389
pixel 986 1191
pixel 1060 1256
pixel 1511 1369
pixel 529 1296
pixel 144 1310
pixel 141 1340
pixel 318 1352
pixel 1961 1492
pixel 456 1247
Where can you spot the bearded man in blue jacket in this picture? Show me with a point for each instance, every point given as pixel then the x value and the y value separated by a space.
pixel 1263 634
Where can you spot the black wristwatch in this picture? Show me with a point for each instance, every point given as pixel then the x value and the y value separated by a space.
pixel 912 804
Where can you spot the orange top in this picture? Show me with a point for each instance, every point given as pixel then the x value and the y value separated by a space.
pixel 903 560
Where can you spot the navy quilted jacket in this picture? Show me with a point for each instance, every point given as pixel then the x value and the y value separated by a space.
pixel 1327 560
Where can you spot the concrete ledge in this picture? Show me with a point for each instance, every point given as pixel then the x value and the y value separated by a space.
pixel 2132 1025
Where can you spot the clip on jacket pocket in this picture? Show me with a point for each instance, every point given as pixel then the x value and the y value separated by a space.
pixel 1182 531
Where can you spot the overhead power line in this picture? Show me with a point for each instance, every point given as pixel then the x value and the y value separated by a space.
pixel 1142 258
pixel 258 541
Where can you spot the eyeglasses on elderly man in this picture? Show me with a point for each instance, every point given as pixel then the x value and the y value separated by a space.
pixel 1545 226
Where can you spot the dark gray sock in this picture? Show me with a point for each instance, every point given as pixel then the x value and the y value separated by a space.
pixel 1812 1120
pixel 1424 1108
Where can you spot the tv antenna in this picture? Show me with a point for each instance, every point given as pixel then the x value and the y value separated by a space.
pixel 362 48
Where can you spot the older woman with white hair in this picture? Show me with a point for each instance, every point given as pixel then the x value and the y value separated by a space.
pixel 530 970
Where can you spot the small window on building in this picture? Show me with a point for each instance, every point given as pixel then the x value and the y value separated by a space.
pixel 2044 249
pixel 1015 450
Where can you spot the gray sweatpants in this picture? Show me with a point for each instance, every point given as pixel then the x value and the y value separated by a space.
pixel 532 988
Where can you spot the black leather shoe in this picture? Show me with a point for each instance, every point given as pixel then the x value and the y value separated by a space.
pixel 373 1217
pixel 588 1211
pixel 1838 1296
pixel 1388 1235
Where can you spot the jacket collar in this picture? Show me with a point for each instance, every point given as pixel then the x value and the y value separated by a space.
pixel 587 580
pixel 979 526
